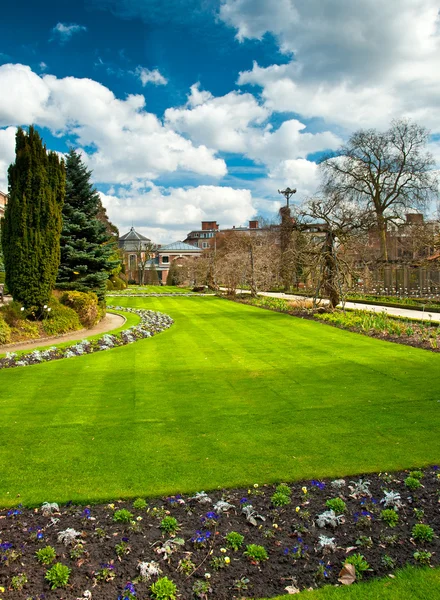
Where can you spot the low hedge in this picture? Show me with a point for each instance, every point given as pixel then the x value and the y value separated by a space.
pixel 60 319
pixel 85 304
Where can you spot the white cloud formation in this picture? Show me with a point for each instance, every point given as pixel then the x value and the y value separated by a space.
pixel 127 142
pixel 356 64
pixel 7 155
pixel 64 32
pixel 147 76
pixel 165 215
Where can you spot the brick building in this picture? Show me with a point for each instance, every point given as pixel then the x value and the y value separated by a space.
pixel 3 202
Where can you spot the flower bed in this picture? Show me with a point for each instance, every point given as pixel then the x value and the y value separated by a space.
pixel 151 323
pixel 251 542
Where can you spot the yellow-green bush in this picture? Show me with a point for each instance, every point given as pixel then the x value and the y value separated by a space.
pixel 117 283
pixel 85 304
pixel 5 332
pixel 25 330
pixel 60 319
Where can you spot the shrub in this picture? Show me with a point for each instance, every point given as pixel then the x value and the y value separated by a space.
pixel 412 483
pixel 85 304
pixel 2 276
pixel 336 504
pixel 60 319
pixel 280 499
pixel 117 283
pixel 12 313
pixel 422 533
pixel 140 504
pixel 390 517
pixel 5 332
pixel 359 563
pixel 169 525
pixel 423 558
pixel 163 589
pixel 122 516
pixel 284 489
pixel 109 285
pixel 25 330
pixel 416 475
pixel 234 540
pixel 256 553
pixel 18 582
pixel 46 555
pixel 58 576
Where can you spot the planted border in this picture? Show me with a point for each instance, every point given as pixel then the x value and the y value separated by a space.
pixel 151 323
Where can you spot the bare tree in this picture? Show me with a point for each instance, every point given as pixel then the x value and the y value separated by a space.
pixel 144 252
pixel 390 172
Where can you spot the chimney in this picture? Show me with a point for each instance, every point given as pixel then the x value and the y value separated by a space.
pixel 414 219
pixel 253 224
pixel 209 225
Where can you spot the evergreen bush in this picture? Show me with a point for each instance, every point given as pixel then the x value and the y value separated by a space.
pixel 61 319
pixel 85 304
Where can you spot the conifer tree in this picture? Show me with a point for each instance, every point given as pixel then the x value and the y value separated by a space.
pixel 32 223
pixel 87 249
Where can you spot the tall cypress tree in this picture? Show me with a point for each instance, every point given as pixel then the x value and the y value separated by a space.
pixel 87 249
pixel 32 224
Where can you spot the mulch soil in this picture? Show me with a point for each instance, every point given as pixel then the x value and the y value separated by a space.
pixel 289 534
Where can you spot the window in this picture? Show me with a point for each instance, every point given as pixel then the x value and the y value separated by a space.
pixel 205 245
pixel 132 262
pixel 165 260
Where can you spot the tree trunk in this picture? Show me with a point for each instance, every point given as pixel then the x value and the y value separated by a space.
pixel 382 231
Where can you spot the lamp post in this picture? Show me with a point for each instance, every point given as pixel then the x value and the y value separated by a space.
pixel 287 193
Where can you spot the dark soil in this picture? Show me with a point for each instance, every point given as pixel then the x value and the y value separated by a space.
pixel 289 534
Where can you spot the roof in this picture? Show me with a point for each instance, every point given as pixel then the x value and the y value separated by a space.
pixel 179 247
pixel 133 241
pixel 134 236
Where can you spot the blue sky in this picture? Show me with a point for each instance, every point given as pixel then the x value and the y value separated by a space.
pixel 202 109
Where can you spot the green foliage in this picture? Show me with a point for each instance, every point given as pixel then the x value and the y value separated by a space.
pixel 25 330
pixel 416 475
pixel 422 557
pixel 419 513
pixel 279 499
pixel 5 331
pixel 122 516
pixel 13 313
pixel 186 566
pixel 388 561
pixel 117 283
pixel 140 504
pixel 88 249
pixel 58 576
pixel 390 517
pixel 359 563
pixel 60 319
pixel 337 505
pixel 201 588
pixel 173 274
pixel 234 540
pixel 422 533
pixel 284 489
pixel 18 581
pixel 256 553
pixel 85 304
pixel 46 555
pixel 169 525
pixel 412 483
pixel 32 223
pixel 122 549
pixel 163 589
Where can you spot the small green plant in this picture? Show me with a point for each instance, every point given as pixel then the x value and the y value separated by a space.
pixel 419 513
pixel 388 561
pixel 58 576
pixel 283 489
pixel 241 585
pixel 100 533
pixel 122 549
pixel 218 562
pixel 140 504
pixel 122 516
pixel 337 505
pixel 359 563
pixel 256 553
pixel 279 499
pixel 105 573
pixel 77 551
pixel 186 566
pixel 235 540
pixel 18 581
pixel 422 533
pixel 390 540
pixel 169 525
pixel 423 558
pixel 364 541
pixel 416 475
pixel 412 483
pixel 201 589
pixel 163 589
pixel 390 517
pixel 157 511
pixel 46 555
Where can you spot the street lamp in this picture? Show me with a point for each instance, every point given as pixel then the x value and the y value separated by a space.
pixel 287 193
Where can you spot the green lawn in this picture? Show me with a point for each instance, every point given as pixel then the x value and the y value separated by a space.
pixel 409 584
pixel 229 395
pixel 154 289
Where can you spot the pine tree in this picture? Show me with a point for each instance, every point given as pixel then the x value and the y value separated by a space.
pixel 32 223
pixel 87 249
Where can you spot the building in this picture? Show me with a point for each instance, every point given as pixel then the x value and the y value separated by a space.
pixel 3 202
pixel 203 238
pixel 145 261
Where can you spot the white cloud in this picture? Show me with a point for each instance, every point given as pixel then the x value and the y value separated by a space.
pixel 356 64
pixel 7 155
pixel 165 215
pixel 147 76
pixel 64 32
pixel 129 143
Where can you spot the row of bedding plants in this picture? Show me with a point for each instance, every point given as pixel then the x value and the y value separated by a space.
pixel 259 541
pixel 150 324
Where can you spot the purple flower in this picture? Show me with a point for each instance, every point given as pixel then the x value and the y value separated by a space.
pixel 87 513
pixel 243 501
pixel 286 551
